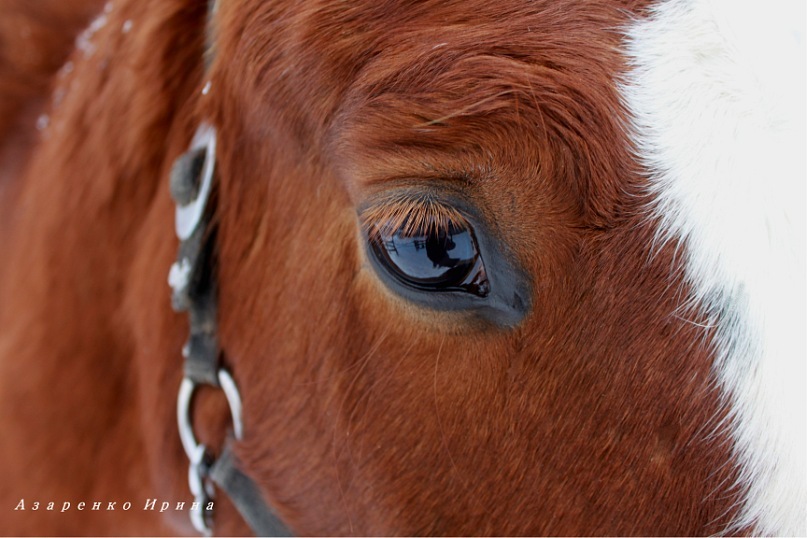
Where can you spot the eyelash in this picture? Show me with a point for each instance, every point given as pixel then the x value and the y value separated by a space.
pixel 410 215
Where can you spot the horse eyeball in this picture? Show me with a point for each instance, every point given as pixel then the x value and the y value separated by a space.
pixel 432 258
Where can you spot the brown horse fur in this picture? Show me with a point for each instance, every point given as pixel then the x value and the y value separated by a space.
pixel 364 413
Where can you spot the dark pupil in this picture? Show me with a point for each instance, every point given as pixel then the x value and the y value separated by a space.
pixel 443 260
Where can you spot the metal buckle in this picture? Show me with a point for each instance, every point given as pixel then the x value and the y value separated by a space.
pixel 200 459
pixel 189 215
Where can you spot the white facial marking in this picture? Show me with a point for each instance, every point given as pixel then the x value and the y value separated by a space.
pixel 717 95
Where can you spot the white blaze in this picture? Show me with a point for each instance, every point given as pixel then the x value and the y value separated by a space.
pixel 717 94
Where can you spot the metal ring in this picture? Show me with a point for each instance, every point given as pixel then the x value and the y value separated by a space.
pixel 200 521
pixel 188 216
pixel 187 389
pixel 230 389
pixel 193 449
pixel 198 480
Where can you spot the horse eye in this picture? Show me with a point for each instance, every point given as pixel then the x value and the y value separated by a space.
pixel 444 258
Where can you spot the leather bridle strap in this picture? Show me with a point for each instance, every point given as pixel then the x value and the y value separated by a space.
pixel 193 281
pixel 245 496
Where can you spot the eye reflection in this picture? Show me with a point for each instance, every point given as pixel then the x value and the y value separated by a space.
pixel 444 258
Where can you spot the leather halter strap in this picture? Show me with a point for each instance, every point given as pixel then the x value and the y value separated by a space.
pixel 246 497
pixel 193 281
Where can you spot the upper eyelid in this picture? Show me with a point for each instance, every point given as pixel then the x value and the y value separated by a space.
pixel 409 212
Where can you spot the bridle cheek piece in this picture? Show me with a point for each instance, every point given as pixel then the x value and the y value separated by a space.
pixel 194 290
pixel 193 282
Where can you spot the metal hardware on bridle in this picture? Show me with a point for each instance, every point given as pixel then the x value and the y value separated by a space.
pixel 193 282
pixel 194 291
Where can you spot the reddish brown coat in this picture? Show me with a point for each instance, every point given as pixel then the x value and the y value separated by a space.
pixel 364 414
